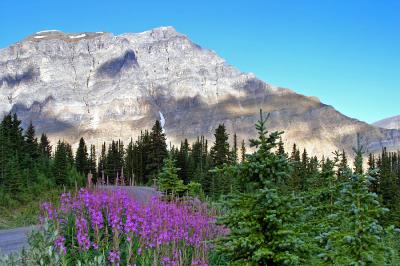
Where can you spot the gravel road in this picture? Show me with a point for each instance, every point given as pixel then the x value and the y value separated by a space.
pixel 12 240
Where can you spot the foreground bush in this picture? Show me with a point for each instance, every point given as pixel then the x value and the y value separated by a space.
pixel 96 228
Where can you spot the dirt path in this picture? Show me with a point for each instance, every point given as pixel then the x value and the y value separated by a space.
pixel 12 240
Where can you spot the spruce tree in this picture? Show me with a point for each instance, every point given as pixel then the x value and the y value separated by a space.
pixel 373 173
pixel 92 162
pixel 343 167
pixel 183 162
pixel 388 189
pixel 70 155
pixel 81 158
pixel 45 147
pixel 168 180
pixel 281 148
pixel 102 163
pixel 14 180
pixel 260 217
pixel 31 143
pixel 61 164
pixel 358 162
pixel 354 236
pixel 220 149
pixel 296 178
pixel 130 160
pixel 243 152
pixel 234 155
pixel 158 149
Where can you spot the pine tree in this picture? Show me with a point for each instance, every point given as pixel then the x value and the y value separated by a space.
pixel 243 152
pixel 373 173
pixel 81 158
pixel 281 148
pixel 296 179
pixel 259 219
pixel 3 156
pixel 92 162
pixel 45 147
pixel 220 150
pixel 61 164
pixel 158 149
pixel 358 162
pixel 130 160
pixel 388 189
pixel 31 144
pixel 70 155
pixel 102 163
pixel 354 235
pixel 16 137
pixel 343 167
pixel 14 181
pixel 168 180
pixel 111 169
pixel 183 162
pixel 234 156
pixel 304 170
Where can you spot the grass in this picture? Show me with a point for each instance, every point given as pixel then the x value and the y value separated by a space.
pixel 26 211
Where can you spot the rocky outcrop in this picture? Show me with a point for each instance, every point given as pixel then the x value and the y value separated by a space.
pixel 103 87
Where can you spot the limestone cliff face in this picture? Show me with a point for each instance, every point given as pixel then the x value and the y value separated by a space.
pixel 104 87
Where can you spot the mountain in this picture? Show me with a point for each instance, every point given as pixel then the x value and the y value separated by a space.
pixel 389 123
pixel 102 87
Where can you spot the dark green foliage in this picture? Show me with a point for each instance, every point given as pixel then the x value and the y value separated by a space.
pixel 220 150
pixel 296 179
pixel 260 216
pixel 281 148
pixel 243 152
pixel 114 161
pixel 61 164
pixel 102 164
pixel 31 147
pixel 354 234
pixel 358 162
pixel 158 149
pixel 82 158
pixel 28 172
pixel 45 147
pixel 234 152
pixel 388 185
pixel 92 162
pixel 343 167
pixel 184 162
pixel 168 180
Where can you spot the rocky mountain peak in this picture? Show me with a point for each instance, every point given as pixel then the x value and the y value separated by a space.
pixel 59 35
pixel 102 87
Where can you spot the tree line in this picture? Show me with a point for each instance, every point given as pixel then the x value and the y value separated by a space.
pixel 27 163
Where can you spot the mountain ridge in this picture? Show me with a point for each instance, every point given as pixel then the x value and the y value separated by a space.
pixel 103 86
pixel 389 123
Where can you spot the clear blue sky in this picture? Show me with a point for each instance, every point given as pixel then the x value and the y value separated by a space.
pixel 346 52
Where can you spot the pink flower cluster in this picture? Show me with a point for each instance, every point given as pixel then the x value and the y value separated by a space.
pixel 130 233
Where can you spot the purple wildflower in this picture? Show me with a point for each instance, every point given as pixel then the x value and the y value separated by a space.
pixel 59 245
pixel 113 257
pixel 82 233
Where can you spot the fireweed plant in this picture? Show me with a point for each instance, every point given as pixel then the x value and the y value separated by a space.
pixel 114 229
